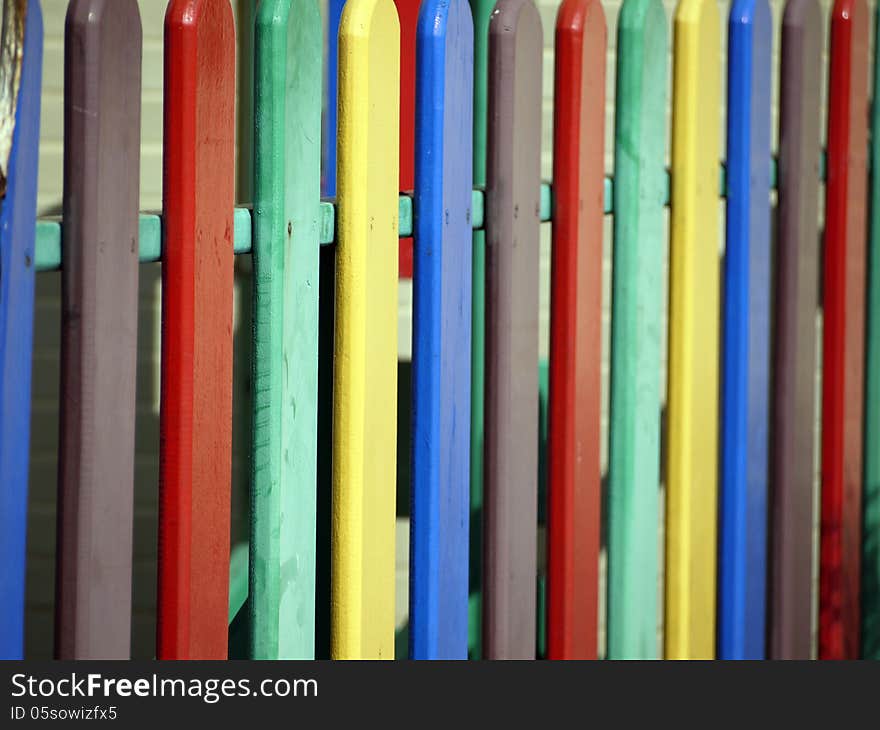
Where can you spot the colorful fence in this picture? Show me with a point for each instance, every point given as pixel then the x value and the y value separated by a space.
pixel 736 456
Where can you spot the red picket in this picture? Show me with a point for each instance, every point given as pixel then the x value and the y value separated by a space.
pixel 197 301
pixel 843 332
pixel 576 332
pixel 408 15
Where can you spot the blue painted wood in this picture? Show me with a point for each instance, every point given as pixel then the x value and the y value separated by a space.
pixel 441 332
pixel 746 333
pixel 18 210
pixel 328 153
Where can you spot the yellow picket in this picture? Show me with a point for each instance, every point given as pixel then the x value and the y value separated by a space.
pixel 365 353
pixel 693 335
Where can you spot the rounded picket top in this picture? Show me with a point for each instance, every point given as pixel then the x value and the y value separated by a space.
pixel 442 296
pixel 365 348
pixel 574 461
pixel 694 298
pixel 286 258
pixel 513 183
pixel 197 324
pixel 640 227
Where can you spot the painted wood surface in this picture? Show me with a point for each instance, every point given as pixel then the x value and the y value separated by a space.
pixel 742 569
pixel 481 10
pixel 636 328
pixel 870 594
pixel 843 332
pixel 22 59
pixel 331 78
pixel 197 310
pixel 692 446
pixel 438 615
pixel 574 494
pixel 102 122
pixel 365 357
pixel 513 198
pixel 792 458
pixel 408 15
pixel 285 365
pixel 326 340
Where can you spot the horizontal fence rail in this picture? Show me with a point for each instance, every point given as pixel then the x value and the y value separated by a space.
pixel 150 237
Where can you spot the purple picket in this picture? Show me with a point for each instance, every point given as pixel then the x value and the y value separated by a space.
pixel 102 117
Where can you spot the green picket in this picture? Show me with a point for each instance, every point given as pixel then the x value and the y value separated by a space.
pixel 481 10
pixel 871 505
pixel 636 325
pixel 287 146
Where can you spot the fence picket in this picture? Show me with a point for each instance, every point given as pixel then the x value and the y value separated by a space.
pixel 693 335
pixel 843 332
pixel 636 327
pixel 742 569
pixel 408 15
pixel 22 56
pixel 481 11
pixel 794 353
pixel 365 356
pixel 513 206
pixel 102 105
pixel 286 274
pixel 574 495
pixel 197 290
pixel 870 596
pixel 441 332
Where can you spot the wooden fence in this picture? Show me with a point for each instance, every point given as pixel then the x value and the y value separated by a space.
pixel 447 101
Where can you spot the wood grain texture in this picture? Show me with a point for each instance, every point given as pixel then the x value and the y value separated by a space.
pixel 18 209
pixel 574 494
pixel 843 332
pixel 285 367
pixel 692 446
pixel 636 327
pixel 870 598
pixel 742 569
pixel 365 356
pixel 794 351
pixel 513 226
pixel 99 329
pixel 102 122
pixel 438 616
pixel 197 310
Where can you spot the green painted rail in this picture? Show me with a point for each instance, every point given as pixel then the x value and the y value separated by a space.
pixel 48 244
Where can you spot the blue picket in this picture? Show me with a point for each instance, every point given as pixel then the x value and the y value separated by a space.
pixel 441 332
pixel 328 135
pixel 18 210
pixel 746 328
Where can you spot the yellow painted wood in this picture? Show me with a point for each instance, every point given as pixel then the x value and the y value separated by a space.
pixel 693 335
pixel 365 354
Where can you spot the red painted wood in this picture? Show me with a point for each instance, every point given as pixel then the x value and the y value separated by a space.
pixel 197 273
pixel 843 333
pixel 408 14
pixel 574 505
